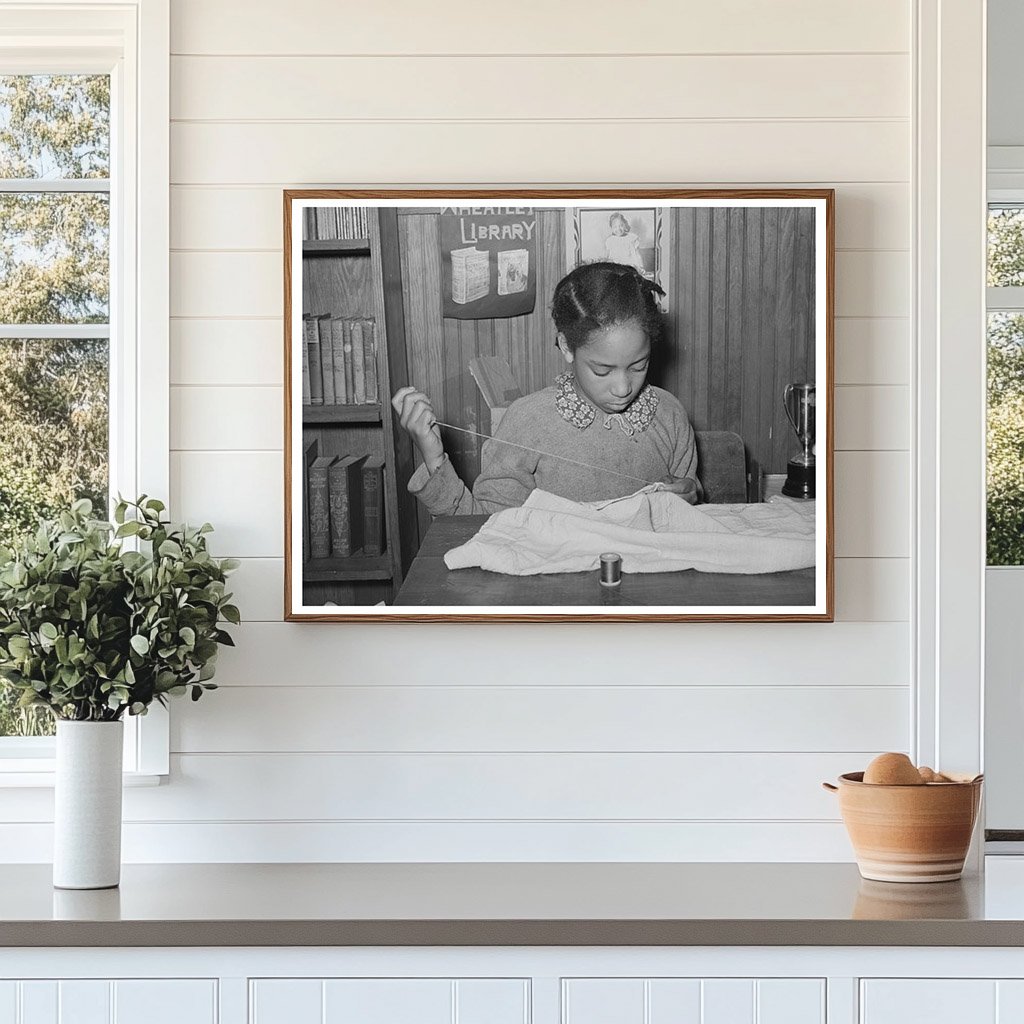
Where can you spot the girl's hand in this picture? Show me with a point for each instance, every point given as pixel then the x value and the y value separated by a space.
pixel 416 415
pixel 685 487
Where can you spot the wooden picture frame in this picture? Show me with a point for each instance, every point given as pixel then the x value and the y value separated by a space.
pixel 751 311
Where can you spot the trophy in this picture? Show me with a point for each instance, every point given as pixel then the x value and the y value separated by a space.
pixel 798 401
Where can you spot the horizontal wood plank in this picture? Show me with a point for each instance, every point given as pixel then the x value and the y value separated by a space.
pixel 872 504
pixel 233 418
pixel 376 787
pixel 405 27
pixel 227 352
pixel 239 719
pixel 281 88
pixel 872 418
pixel 583 654
pixel 872 350
pixel 460 842
pixel 573 152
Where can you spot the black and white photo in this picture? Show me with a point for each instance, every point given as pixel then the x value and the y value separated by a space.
pixel 525 405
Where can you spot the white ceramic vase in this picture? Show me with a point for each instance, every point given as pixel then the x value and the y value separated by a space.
pixel 87 805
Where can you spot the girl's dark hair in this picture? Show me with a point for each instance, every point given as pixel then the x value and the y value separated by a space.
pixel 597 295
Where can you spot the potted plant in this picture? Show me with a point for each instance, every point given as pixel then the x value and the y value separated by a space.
pixel 93 631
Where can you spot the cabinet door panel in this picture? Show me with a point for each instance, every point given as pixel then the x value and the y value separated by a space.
pixel 8 1002
pixel 38 1002
pixel 603 1001
pixel 84 1002
pixel 791 1001
pixel 285 1001
pixel 728 1001
pixel 1009 1002
pixel 492 1001
pixel 675 1001
pixel 165 1002
pixel 934 1001
pixel 388 1001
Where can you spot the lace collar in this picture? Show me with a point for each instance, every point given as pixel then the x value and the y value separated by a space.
pixel 575 409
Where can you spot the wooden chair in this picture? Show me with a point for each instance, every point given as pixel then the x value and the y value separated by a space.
pixel 721 457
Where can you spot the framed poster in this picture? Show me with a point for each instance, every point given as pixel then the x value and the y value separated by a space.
pixel 527 405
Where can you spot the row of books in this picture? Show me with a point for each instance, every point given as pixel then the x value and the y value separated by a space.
pixel 339 360
pixel 344 505
pixel 335 222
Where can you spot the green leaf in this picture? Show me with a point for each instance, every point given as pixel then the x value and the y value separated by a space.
pixel 231 613
pixel 170 549
pixel 188 635
pixel 49 631
pixel 229 564
pixel 140 644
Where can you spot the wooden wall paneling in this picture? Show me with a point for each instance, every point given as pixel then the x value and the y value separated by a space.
pixel 718 335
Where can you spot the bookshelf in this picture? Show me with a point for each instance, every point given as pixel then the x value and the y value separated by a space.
pixel 361 278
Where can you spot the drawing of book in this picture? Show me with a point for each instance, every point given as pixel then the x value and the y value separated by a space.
pixel 326 358
pixel 311 333
pixel 373 506
pixel 513 271
pixel 358 363
pixel 338 359
pixel 370 359
pixel 471 274
pixel 319 507
pixel 345 487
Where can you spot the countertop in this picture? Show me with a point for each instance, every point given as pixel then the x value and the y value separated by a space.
pixel 491 904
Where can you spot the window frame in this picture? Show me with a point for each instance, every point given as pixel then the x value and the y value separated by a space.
pixel 130 41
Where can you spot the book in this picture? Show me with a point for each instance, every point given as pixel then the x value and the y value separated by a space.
pixel 326 358
pixel 471 274
pixel 350 387
pixel 319 507
pixel 310 450
pixel 310 336
pixel 373 506
pixel 311 331
pixel 346 501
pixel 358 363
pixel 370 359
pixel 338 359
pixel 306 398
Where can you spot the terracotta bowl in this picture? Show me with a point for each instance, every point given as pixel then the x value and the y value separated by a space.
pixel 909 833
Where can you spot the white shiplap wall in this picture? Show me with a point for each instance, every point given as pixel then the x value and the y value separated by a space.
pixel 662 741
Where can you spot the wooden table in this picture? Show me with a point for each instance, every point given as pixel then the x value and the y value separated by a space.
pixel 430 582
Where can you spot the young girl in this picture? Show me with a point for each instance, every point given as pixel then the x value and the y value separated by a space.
pixel 600 432
pixel 623 244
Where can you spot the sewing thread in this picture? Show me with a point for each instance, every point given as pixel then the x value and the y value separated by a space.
pixel 549 455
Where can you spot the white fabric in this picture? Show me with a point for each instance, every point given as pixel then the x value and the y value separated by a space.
pixel 653 530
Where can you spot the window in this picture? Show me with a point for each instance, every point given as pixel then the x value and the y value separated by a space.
pixel 1005 478
pixel 84 125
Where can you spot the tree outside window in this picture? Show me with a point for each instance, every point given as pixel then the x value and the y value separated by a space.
pixel 54 307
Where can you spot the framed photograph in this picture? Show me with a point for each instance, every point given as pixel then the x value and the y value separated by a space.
pixel 571 405
pixel 636 236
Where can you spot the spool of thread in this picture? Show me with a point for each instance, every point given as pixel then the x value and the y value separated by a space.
pixel 611 569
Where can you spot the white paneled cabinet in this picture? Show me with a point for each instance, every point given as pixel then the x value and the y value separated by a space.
pixel 942 1001
pixel 693 1001
pixel 102 1001
pixel 389 1001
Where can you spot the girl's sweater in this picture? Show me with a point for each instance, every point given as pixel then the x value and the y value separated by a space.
pixel 651 442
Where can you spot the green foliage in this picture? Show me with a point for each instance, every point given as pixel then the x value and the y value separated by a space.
pixel 1005 247
pixel 91 630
